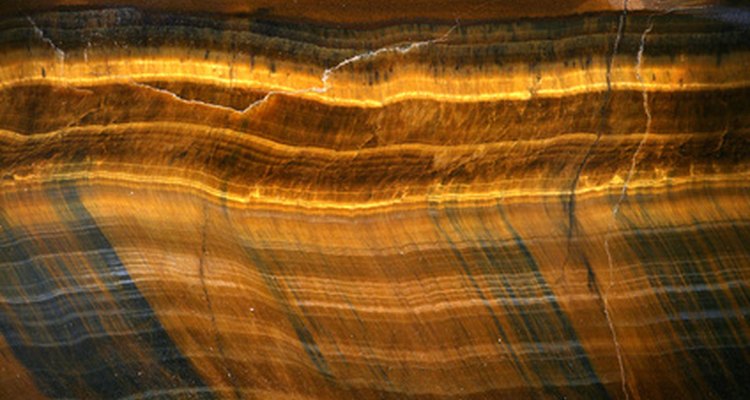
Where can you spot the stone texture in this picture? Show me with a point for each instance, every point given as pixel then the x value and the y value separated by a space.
pixel 374 199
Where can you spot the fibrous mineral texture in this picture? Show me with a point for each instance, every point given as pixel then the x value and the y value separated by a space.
pixel 374 199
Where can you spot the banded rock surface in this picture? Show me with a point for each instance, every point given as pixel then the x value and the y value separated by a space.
pixel 374 199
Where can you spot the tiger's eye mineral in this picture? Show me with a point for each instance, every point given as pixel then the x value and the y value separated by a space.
pixel 367 199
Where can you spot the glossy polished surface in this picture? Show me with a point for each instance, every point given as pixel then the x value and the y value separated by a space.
pixel 362 199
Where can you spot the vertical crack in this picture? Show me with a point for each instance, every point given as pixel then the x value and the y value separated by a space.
pixel 600 128
pixel 571 202
pixel 723 136
pixel 634 159
pixel 618 349
pixel 214 327
pixel 623 195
